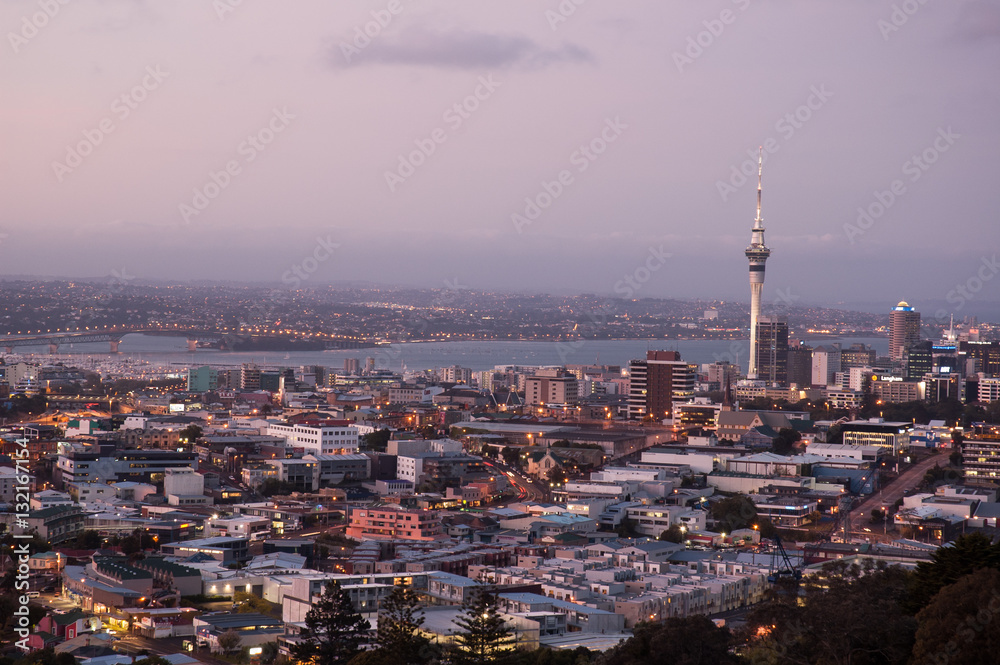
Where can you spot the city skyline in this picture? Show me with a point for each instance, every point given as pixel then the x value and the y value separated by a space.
pixel 413 154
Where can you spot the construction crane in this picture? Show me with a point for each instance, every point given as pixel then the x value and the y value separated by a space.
pixel 782 570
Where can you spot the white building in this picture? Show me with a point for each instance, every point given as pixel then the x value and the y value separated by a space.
pixel 184 487
pixel 989 389
pixel 324 437
pixel 9 483
pixel 825 362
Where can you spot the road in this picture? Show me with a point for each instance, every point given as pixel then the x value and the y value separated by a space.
pixel 132 644
pixel 526 488
pixel 890 494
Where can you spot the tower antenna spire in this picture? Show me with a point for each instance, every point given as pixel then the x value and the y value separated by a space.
pixel 760 174
pixel 756 254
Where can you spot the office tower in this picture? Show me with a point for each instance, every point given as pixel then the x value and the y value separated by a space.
pixel 352 366
pixel 800 365
pixel 722 373
pixel 918 359
pixel 202 379
pixel 825 363
pixel 986 353
pixel 656 382
pixel 756 254
pixel 904 329
pixel 455 374
pixel 772 350
pixel 857 355
pixel 249 377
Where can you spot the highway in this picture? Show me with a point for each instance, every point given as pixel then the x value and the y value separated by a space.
pixel 526 488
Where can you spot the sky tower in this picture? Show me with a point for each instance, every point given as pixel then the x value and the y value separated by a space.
pixel 757 254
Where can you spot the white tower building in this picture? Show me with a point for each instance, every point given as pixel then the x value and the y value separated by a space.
pixel 757 254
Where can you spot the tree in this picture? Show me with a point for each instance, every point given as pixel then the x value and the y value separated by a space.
pixel 273 486
pixel 511 456
pixel 190 434
pixel 229 641
pixel 961 624
pixel 138 541
pixel 694 640
pixel 88 540
pixel 735 512
pixel 484 636
pixel 335 631
pixel 673 534
pixel 248 603
pixel 627 528
pixel 558 476
pixel 376 440
pixel 848 615
pixel 785 441
pixel 399 620
pixel 159 660
pixel 949 564
pixel 836 434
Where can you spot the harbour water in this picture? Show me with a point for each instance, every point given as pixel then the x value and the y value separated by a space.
pixel 476 355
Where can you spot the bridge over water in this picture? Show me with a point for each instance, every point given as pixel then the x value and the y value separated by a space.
pixel 225 337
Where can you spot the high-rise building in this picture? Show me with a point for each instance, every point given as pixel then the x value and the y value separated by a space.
pixel 249 377
pixel 551 387
pixel 772 350
pixel 756 254
pixel 800 365
pixel 918 359
pixel 455 374
pixel 202 379
pixel 352 366
pixel 825 363
pixel 904 329
pixel 656 382
pixel 857 355
pixel 986 353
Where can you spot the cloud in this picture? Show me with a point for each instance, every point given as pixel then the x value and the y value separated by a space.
pixel 462 49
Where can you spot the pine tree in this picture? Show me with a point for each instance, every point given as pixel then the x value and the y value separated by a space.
pixel 484 638
pixel 399 622
pixel 335 631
